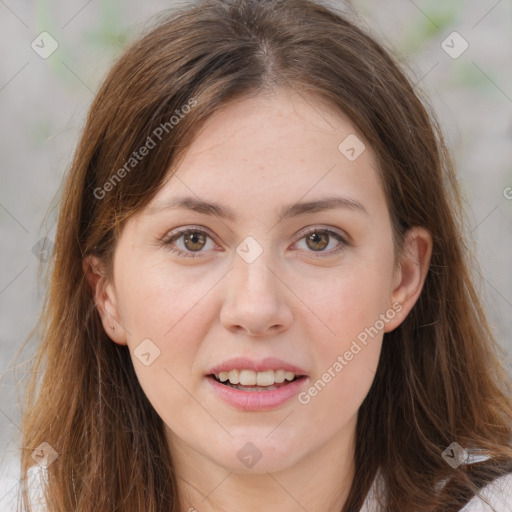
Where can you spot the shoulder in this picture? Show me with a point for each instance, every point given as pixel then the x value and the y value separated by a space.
pixel 495 497
pixel 10 492
pixel 36 482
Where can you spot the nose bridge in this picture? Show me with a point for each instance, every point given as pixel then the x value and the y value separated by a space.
pixel 256 301
pixel 252 268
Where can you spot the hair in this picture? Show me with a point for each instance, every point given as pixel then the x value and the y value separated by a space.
pixel 439 379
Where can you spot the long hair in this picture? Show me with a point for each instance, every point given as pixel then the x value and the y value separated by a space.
pixel 439 379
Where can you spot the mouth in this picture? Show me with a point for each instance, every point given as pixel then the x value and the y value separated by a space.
pixel 251 381
pixel 256 385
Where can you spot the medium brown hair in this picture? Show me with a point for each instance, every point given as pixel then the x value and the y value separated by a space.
pixel 439 379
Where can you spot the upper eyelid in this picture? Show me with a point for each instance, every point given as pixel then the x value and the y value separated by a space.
pixel 183 230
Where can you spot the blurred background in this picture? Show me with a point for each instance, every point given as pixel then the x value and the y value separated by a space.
pixel 55 55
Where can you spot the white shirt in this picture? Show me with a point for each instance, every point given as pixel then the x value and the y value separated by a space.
pixel 498 494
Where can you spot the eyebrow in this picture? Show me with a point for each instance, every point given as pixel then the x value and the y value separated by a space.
pixel 286 212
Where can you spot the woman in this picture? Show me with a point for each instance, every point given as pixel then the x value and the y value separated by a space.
pixel 260 297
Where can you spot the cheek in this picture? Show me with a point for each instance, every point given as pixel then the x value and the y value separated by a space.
pixel 347 352
pixel 163 318
pixel 349 303
pixel 158 302
pixel 354 310
pixel 336 395
pixel 167 391
pixel 165 311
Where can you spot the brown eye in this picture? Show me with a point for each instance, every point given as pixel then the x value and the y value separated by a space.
pixel 194 241
pixel 318 239
pixel 317 242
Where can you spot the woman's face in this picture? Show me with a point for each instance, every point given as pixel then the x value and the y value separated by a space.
pixel 292 269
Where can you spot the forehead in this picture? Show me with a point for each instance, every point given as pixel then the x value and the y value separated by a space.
pixel 272 148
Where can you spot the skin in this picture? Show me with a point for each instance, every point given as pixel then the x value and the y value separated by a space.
pixel 255 156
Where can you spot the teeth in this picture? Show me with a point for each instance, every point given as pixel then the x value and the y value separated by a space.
pixel 252 378
pixel 234 377
pixel 289 375
pixel 279 376
pixel 265 378
pixel 248 378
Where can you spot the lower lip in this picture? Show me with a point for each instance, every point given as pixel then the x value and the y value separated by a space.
pixel 257 400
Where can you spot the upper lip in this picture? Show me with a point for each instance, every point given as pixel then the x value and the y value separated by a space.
pixel 260 365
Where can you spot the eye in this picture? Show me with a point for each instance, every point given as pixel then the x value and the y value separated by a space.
pixel 318 239
pixel 194 241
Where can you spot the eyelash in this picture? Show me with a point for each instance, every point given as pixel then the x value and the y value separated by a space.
pixel 167 241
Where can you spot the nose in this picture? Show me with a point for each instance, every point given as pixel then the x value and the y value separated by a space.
pixel 256 299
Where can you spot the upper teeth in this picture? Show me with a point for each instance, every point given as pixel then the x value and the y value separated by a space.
pixel 252 378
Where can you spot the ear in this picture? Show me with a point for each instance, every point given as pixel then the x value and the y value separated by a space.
pixel 410 273
pixel 105 299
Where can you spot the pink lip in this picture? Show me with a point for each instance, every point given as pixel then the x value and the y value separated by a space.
pixel 257 400
pixel 242 363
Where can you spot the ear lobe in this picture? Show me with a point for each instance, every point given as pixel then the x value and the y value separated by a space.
pixel 104 297
pixel 411 272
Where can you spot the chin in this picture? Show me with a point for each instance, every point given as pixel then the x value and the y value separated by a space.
pixel 258 454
